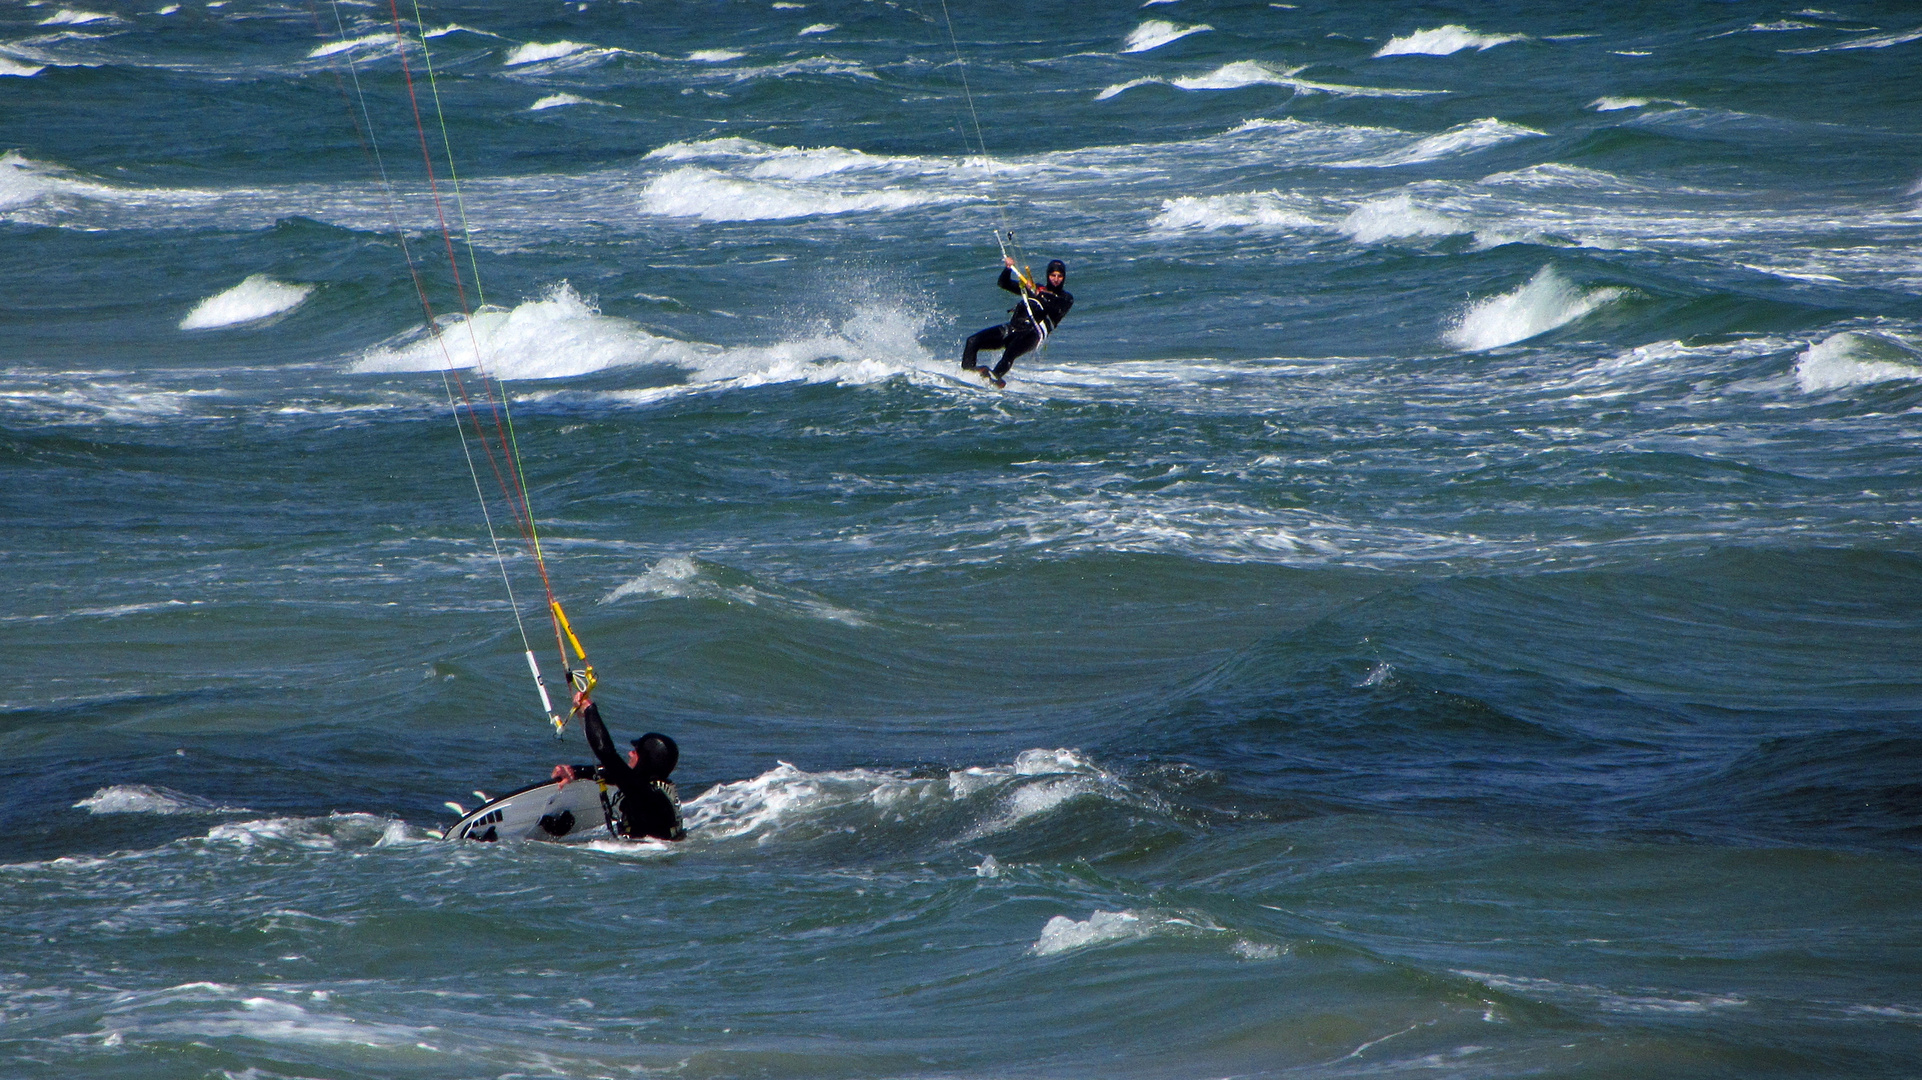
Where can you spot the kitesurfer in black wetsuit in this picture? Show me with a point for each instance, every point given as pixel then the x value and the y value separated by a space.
pixel 1041 309
pixel 648 804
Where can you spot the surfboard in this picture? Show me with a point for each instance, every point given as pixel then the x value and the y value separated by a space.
pixel 969 379
pixel 544 811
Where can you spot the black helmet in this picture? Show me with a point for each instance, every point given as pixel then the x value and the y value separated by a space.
pixel 658 753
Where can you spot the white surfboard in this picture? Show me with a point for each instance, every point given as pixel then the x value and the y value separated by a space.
pixel 544 811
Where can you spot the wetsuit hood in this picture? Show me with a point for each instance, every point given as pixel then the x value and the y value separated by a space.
pixel 658 754
pixel 1057 264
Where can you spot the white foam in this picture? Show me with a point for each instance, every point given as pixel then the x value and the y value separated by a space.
pixel 1270 209
pixel 817 28
pixel 1608 1000
pixel 273 1020
pixel 1244 73
pixel 258 297
pixel 1256 950
pixel 1617 104
pixel 1396 218
pixel 1456 141
pixel 316 833
pixel 1877 41
pixel 1854 358
pixel 788 799
pixel 1155 33
pixel 1241 73
pixel 1445 40
pixel 714 56
pixel 556 336
pixel 684 577
pixel 1063 934
pixel 142 799
pixel 533 52
pixel 786 796
pixel 75 17
pixel 24 181
pixel 334 47
pixel 711 196
pixel 1892 1012
pixel 555 101
pixel 1545 302
pixel 15 67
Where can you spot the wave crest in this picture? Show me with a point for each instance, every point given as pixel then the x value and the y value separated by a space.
pixel 1855 358
pixel 255 299
pixel 1445 41
pixel 1545 302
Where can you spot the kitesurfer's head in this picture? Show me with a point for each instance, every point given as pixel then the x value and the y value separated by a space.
pixel 1057 274
pixel 654 755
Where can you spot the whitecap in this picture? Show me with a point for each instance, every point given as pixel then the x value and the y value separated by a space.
pixel 1545 302
pixel 817 28
pixel 1877 41
pixel 685 577
pixel 1459 140
pixel 333 47
pixel 710 196
pixel 1243 73
pixel 1617 104
pixel 142 799
pixel 1397 218
pixel 1063 934
pixel 555 101
pixel 257 298
pixel 75 17
pixel 556 336
pixel 1269 209
pixel 534 52
pixel 1854 358
pixel 714 56
pixel 1444 41
pixel 1155 33
pixel 272 1020
pixel 14 67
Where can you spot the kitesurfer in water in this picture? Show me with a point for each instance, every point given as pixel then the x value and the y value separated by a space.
pixel 648 804
pixel 1041 309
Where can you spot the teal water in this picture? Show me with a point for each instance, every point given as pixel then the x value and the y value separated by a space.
pixel 1446 602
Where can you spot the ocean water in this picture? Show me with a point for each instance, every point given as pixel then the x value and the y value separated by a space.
pixel 1446 602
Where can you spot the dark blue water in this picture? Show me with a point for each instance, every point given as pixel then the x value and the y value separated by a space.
pixel 1445 602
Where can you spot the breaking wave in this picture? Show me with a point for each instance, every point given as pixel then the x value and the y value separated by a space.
pixel 787 800
pixel 256 299
pixel 686 577
pixel 1545 302
pixel 1155 33
pixel 562 335
pixel 700 193
pixel 557 336
pixel 142 799
pixel 1255 208
pixel 1244 73
pixel 1444 41
pixel 1855 358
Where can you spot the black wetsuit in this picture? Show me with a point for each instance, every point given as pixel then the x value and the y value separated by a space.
pixel 647 804
pixel 1020 333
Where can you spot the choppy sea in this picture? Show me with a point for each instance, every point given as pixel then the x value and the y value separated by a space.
pixel 1447 602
